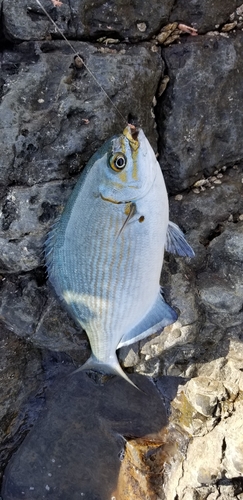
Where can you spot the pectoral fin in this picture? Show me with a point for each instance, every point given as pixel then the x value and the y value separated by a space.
pixel 157 318
pixel 176 242
pixel 130 212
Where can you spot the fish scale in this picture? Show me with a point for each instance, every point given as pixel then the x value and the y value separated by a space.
pixel 108 280
pixel 105 254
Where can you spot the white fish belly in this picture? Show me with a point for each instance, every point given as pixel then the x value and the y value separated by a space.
pixel 110 280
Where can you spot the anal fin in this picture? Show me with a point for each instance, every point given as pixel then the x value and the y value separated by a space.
pixel 159 316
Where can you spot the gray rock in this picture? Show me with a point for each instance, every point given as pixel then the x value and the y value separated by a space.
pixel 198 116
pixel 207 452
pixel 213 457
pixel 53 117
pixel 209 408
pixel 26 215
pixel 21 303
pixel 233 457
pixel 27 21
pixel 228 246
pixel 203 16
pixel 204 394
pixel 203 215
pixel 52 113
pixel 130 355
pixel 135 22
pixel 56 331
pixel 221 297
pixel 27 310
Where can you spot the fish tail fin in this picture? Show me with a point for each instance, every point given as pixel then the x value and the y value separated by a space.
pixel 119 371
pixel 112 367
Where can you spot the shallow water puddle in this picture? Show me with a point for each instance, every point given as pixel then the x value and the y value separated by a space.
pixel 76 448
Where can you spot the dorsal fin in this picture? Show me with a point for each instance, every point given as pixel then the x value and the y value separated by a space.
pixel 49 245
pixel 176 242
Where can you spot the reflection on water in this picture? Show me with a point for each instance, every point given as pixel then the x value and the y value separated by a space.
pixel 75 449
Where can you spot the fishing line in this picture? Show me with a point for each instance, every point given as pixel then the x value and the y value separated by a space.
pixel 82 61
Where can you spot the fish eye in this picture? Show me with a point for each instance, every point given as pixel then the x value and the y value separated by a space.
pixel 118 162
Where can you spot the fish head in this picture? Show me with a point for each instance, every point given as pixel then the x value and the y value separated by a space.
pixel 130 169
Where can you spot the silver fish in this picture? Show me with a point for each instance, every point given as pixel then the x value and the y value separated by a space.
pixel 105 253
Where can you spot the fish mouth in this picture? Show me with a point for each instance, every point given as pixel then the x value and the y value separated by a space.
pixel 134 131
pixel 132 122
pixel 131 132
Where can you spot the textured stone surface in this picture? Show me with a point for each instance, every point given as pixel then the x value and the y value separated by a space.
pixel 233 455
pixel 53 117
pixel 27 21
pixel 21 377
pixel 213 458
pixel 52 113
pixel 203 15
pixel 135 22
pixel 26 213
pixel 204 394
pixel 199 118
pixel 28 310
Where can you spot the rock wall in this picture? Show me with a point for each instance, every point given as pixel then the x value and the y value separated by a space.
pixel 188 94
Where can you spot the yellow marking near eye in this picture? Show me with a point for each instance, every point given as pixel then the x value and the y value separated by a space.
pixel 135 166
pixel 123 146
pixel 134 145
pixel 123 176
pixel 118 185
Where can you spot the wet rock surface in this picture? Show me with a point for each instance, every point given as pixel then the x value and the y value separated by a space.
pixel 77 446
pixel 21 378
pixel 53 117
